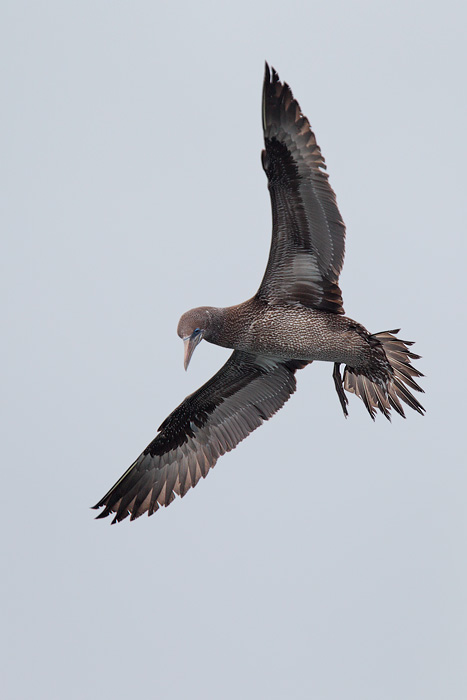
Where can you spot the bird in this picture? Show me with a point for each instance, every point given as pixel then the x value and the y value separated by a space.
pixel 295 318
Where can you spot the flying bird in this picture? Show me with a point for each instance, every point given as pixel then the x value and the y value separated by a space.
pixel 295 317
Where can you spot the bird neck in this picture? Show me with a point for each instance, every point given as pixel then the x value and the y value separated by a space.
pixel 228 324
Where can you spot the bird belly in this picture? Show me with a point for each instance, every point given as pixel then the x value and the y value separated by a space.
pixel 306 334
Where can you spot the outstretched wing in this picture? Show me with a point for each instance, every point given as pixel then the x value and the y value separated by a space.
pixel 246 391
pixel 307 248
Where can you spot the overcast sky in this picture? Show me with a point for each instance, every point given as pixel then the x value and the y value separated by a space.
pixel 323 558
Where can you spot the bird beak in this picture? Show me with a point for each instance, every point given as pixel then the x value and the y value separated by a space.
pixel 190 344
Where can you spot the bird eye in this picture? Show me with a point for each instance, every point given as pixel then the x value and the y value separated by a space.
pixel 196 331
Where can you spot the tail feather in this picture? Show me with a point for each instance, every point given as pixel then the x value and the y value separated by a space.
pixel 384 394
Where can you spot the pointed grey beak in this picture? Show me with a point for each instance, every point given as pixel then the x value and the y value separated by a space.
pixel 190 344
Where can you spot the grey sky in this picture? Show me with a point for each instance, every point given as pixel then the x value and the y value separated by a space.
pixel 322 558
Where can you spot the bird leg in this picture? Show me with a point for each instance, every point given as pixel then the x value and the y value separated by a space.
pixel 339 388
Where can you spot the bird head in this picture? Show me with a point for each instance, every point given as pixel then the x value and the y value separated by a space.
pixel 193 326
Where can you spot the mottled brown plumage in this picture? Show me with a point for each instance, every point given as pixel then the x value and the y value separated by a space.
pixel 296 317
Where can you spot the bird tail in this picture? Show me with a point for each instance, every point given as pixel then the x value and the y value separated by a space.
pixel 386 381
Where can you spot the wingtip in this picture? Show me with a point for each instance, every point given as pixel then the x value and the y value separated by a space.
pixel 101 515
pixel 271 76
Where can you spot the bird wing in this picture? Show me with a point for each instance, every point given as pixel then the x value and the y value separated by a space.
pixel 307 248
pixel 246 391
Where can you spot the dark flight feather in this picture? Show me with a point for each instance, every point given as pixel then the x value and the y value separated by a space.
pixel 307 248
pixel 246 391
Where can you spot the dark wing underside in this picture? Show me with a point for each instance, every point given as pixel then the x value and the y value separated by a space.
pixel 246 391
pixel 307 249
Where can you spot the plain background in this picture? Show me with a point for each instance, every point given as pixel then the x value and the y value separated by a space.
pixel 322 558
